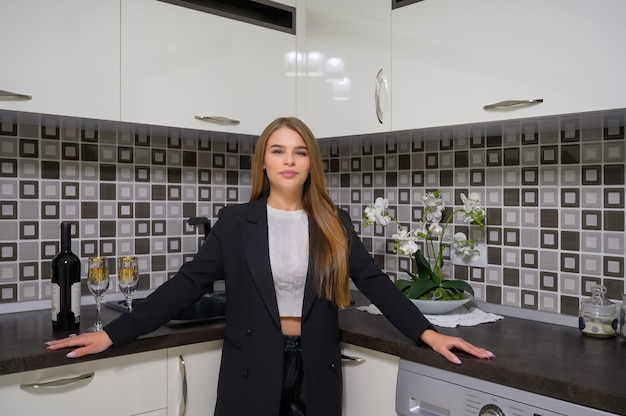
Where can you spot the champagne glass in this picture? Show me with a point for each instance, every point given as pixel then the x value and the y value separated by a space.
pixel 128 278
pixel 98 283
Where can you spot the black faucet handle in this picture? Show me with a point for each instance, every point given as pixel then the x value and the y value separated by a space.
pixel 196 221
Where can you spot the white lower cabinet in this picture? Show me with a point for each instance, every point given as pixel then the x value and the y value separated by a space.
pixel 192 378
pixel 133 384
pixel 369 387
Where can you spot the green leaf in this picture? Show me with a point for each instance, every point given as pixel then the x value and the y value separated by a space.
pixel 403 284
pixel 419 287
pixel 459 285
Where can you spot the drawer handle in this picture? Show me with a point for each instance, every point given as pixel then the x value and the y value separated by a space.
pixel 9 94
pixel 352 358
pixel 511 103
pixel 183 372
pixel 219 120
pixel 57 383
pixel 380 81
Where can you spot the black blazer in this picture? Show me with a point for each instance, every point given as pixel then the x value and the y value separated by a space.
pixel 250 379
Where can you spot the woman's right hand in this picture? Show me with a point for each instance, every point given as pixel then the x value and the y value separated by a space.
pixel 87 343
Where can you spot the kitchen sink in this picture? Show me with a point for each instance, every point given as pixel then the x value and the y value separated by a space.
pixel 208 308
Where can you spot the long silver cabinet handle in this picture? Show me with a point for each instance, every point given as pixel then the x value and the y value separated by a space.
pixel 380 77
pixel 219 120
pixel 352 358
pixel 9 94
pixel 511 103
pixel 183 372
pixel 58 383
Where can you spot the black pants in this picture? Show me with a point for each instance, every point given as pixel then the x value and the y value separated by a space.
pixel 292 402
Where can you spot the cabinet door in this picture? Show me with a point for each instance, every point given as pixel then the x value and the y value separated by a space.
pixel 128 385
pixel 452 58
pixel 62 53
pixel 369 387
pixel 347 43
pixel 179 63
pixel 192 383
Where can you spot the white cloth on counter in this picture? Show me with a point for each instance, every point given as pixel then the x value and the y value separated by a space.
pixel 462 316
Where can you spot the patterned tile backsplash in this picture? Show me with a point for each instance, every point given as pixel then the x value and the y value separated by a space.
pixel 553 188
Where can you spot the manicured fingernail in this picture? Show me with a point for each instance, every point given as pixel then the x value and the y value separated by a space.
pixel 70 354
pixel 456 360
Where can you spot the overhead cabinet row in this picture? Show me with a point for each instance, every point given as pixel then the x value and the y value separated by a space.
pixel 144 61
pixel 354 67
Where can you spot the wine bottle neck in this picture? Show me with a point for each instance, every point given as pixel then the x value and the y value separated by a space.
pixel 66 237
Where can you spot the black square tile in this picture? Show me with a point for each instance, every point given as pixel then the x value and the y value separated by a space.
pixel 511 157
pixel 108 191
pixel 511 197
pixel 446 178
pixel 614 174
pixel 50 169
pixel 108 229
pixel 549 218
pixel 570 240
pixel 510 277
pixel 89 210
pixel 613 220
pixel 108 172
pixel 89 152
pixel 570 154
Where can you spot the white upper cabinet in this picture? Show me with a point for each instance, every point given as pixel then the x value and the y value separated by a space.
pixel 64 54
pixel 452 58
pixel 179 64
pixel 346 45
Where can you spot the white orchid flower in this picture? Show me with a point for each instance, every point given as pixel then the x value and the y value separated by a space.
pixel 435 229
pixel 472 208
pixel 433 207
pixel 408 247
pixel 377 213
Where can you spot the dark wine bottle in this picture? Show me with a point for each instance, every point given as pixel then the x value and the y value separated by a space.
pixel 65 285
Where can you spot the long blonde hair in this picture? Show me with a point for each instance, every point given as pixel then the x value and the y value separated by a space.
pixel 330 259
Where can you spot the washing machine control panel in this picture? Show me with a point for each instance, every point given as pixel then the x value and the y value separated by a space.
pixel 477 403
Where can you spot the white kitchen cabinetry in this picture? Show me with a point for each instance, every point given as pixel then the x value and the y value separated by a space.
pixel 178 63
pixel 127 385
pixel 192 383
pixel 347 43
pixel 62 53
pixel 451 58
pixel 369 387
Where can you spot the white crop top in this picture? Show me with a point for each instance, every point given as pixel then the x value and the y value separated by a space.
pixel 288 233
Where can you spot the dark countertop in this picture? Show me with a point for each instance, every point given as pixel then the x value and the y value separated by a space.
pixel 547 359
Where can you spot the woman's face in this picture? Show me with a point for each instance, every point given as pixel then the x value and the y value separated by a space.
pixel 286 160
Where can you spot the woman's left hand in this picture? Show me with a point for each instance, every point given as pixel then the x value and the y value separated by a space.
pixel 443 344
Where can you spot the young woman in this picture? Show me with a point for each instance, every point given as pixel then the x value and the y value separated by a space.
pixel 285 257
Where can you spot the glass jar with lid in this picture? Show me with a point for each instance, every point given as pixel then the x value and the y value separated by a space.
pixel 598 316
